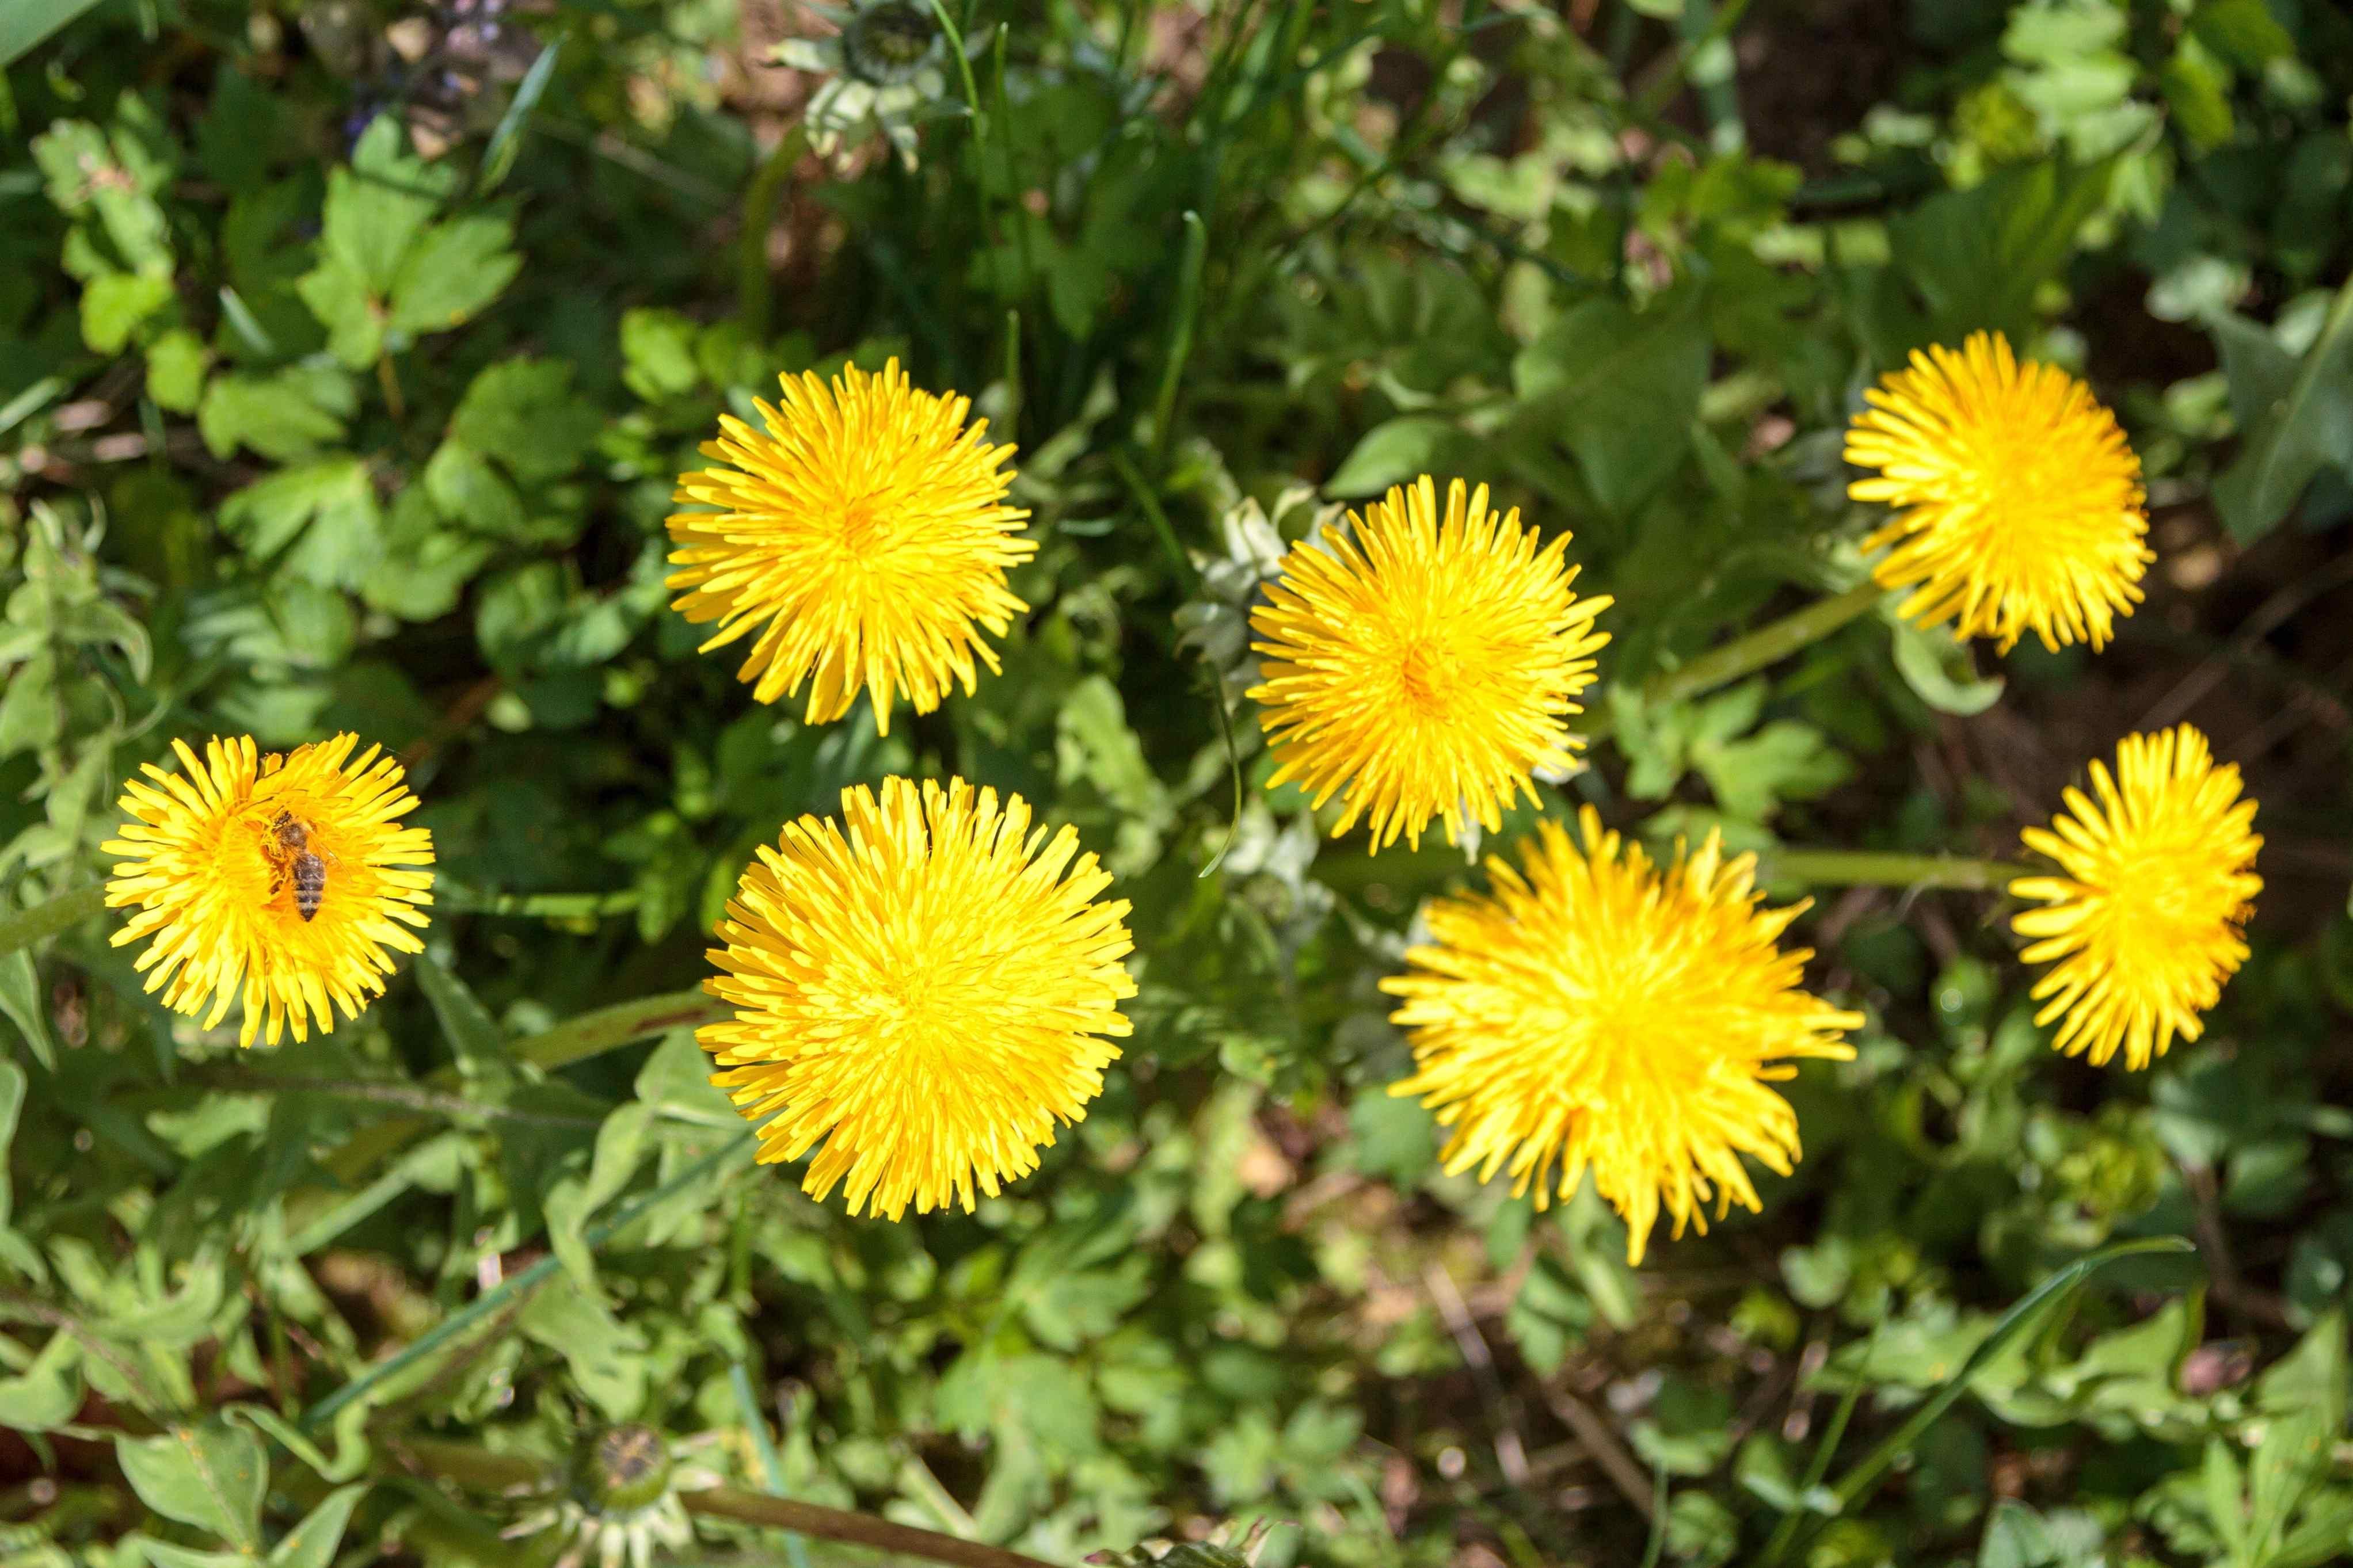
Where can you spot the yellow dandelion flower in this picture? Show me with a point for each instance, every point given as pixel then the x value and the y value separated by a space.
pixel 1427 664
pixel 920 986
pixel 1597 1012
pixel 864 537
pixel 2020 500
pixel 2144 927
pixel 279 881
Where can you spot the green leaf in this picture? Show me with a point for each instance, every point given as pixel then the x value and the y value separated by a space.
pixel 284 416
pixel 607 1359
pixel 2243 32
pixel 338 294
pixel 1977 256
pixel 1941 671
pixel 165 1554
pixel 475 1038
pixel 25 24
pixel 377 207
pixel 177 363
pixel 1399 452
pixel 2296 416
pixel 2199 90
pixel 11 1102
pixel 622 1144
pixel 521 413
pixel 506 142
pixel 30 715
pixel 426 566
pixel 467 490
pixel 312 1543
pixel 20 1000
pixel 318 523
pixel 1621 388
pixel 48 1393
pixel 114 304
pixel 658 353
pixel 211 1476
pixel 453 271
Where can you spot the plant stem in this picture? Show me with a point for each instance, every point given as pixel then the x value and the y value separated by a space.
pixel 857 1529
pixel 751 295
pixel 1871 868
pixel 45 920
pixel 591 1033
pixel 464 901
pixel 1768 644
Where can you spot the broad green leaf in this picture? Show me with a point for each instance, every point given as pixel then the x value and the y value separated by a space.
pixel 312 1543
pixel 48 1393
pixel 2295 416
pixel 337 293
pixel 451 272
pixel 26 23
pixel 377 206
pixel 177 363
pixel 466 490
pixel 1397 452
pixel 318 522
pixel 30 715
pixel 114 304
pixel 1621 389
pixel 475 1038
pixel 284 416
pixel 658 353
pixel 20 1001
pixel 1977 256
pixel 211 1476
pixel 426 564
pixel 608 1359
pixel 2243 32
pixel 522 414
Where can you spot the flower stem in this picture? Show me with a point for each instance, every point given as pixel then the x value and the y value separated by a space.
pixel 491 1472
pixel 1768 644
pixel 1871 868
pixel 591 1033
pixel 28 926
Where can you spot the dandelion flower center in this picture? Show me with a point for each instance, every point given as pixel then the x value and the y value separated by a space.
pixel 861 541
pixel 1596 1012
pixel 919 986
pixel 2019 500
pixel 2144 925
pixel 1427 667
pixel 280 881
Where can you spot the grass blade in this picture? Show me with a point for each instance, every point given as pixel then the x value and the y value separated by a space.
pixel 506 142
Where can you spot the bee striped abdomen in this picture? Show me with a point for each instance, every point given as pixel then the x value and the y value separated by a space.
pixel 310 883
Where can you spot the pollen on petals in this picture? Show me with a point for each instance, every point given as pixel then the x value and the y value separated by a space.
pixel 2019 501
pixel 1596 1012
pixel 920 986
pixel 205 866
pixel 861 541
pixel 2142 926
pixel 1427 666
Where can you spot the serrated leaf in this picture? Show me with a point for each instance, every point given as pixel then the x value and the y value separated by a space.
pixel 622 1144
pixel 607 1359
pixel 1621 389
pixel 451 272
pixel 211 1476
pixel 318 522
pixel 284 416
pixel 521 414
pixel 377 207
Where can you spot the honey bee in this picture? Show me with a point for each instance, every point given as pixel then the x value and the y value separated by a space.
pixel 289 849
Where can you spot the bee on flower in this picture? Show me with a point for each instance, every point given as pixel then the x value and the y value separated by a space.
pixel 281 883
